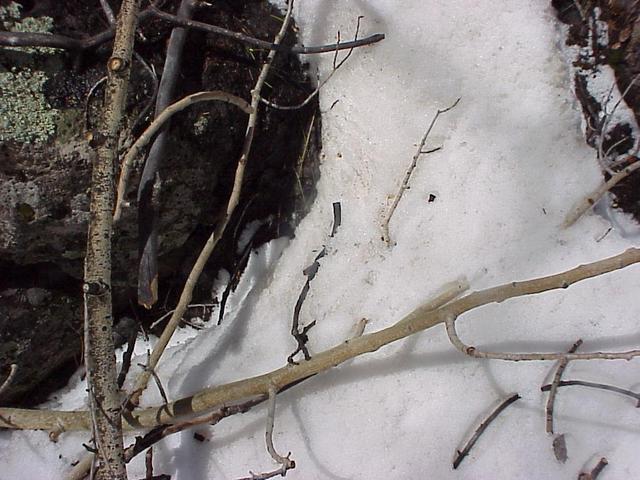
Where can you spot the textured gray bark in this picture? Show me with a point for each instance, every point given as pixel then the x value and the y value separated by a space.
pixel 99 349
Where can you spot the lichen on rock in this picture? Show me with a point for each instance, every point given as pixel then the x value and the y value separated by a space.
pixel 25 114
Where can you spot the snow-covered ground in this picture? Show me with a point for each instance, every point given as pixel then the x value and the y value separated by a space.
pixel 512 164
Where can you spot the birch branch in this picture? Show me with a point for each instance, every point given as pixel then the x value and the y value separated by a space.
pixel 422 318
pixel 104 398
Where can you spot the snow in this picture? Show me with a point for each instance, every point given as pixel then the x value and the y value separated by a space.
pixel 513 162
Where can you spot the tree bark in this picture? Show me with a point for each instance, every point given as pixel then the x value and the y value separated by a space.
pixel 104 395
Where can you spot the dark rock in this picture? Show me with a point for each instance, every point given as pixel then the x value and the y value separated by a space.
pixel 44 187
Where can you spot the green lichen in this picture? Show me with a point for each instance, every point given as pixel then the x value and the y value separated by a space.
pixel 11 22
pixel 25 114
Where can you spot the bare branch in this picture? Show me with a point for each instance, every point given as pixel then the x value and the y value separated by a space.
pixel 299 49
pixel 562 365
pixel 472 351
pixel 422 318
pixel 407 176
pixel 157 124
pixel 7 382
pixel 460 454
pixel 592 198
pixel 600 386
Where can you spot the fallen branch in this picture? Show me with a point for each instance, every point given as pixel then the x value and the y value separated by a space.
pixel 562 365
pixel 422 318
pixel 26 39
pixel 148 193
pixel 301 336
pixel 600 386
pixel 460 454
pixel 407 176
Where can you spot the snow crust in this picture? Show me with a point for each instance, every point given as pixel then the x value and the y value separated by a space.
pixel 513 162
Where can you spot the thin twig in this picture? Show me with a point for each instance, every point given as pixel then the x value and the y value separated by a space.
pixel 595 473
pixel 157 124
pixel 336 65
pixel 592 198
pixel 450 323
pixel 301 336
pixel 426 316
pixel 299 49
pixel 286 462
pixel 7 382
pixel 407 176
pixel 600 386
pixel 562 365
pixel 170 312
pixel 212 241
pixel 460 454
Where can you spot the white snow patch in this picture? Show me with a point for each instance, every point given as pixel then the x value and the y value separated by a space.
pixel 511 165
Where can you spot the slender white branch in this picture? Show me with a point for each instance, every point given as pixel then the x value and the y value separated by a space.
pixel 450 323
pixel 7 383
pixel 420 319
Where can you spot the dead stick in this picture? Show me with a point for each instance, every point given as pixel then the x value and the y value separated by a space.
pixel 460 454
pixel 562 365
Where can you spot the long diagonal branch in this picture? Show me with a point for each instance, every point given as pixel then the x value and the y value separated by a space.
pixel 422 318
pixel 212 241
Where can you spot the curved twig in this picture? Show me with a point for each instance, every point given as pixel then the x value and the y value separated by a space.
pixel 155 126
